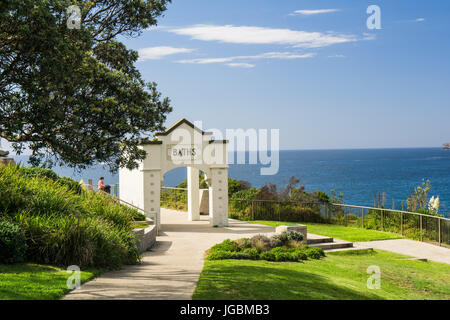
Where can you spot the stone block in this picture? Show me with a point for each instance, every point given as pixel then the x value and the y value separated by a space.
pixel 294 227
pixel 204 201
pixel 145 238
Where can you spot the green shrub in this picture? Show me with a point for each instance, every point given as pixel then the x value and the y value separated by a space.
pixel 284 254
pixel 289 212
pixel 244 243
pixel 293 235
pixel 84 241
pixel 261 243
pixel 314 253
pixel 281 254
pixel 285 237
pixel 231 250
pixel 252 254
pixel 70 183
pixel 235 215
pixel 267 255
pixel 41 195
pixel 12 243
pixel 62 226
pixel 38 194
pixel 235 186
pixel 137 215
pixel 300 253
pixel 226 245
pixel 321 196
pixel 220 255
pixel 246 194
pixel 31 172
pixel 295 244
pixel 276 241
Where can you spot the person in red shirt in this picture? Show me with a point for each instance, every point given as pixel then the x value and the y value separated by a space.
pixel 102 186
pixel 101 183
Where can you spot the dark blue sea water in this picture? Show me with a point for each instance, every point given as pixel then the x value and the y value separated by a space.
pixel 358 174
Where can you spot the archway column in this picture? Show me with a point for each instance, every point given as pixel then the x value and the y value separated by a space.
pixel 218 197
pixel 193 194
pixel 152 193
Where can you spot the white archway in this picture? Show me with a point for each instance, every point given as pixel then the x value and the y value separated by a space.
pixel 182 145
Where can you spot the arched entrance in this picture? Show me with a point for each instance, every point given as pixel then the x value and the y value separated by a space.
pixel 182 145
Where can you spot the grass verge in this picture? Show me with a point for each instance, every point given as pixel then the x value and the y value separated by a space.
pixel 341 275
pixel 336 231
pixel 30 281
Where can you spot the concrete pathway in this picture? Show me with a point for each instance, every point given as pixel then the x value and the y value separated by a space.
pixel 411 248
pixel 172 268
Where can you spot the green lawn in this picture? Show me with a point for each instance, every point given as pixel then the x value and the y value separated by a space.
pixel 340 275
pixel 339 232
pixel 33 281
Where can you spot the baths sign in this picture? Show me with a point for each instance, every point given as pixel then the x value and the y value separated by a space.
pixel 182 152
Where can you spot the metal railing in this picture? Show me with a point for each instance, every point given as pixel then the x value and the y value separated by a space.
pixel 289 211
pixel 174 198
pixel 114 187
pixel 417 226
pixel 412 225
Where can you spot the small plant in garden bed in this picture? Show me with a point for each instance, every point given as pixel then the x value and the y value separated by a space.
pixel 140 225
pixel 286 246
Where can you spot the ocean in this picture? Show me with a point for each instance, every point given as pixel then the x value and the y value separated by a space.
pixel 357 173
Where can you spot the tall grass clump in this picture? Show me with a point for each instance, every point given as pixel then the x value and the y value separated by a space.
pixel 12 243
pixel 64 225
pixel 67 240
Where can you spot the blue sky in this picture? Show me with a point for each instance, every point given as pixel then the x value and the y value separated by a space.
pixel 309 68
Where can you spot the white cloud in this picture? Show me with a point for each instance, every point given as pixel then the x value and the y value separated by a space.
pixel 153 53
pixel 313 12
pixel 412 20
pixel 336 56
pixel 262 35
pixel 369 36
pixel 267 55
pixel 241 65
pixel 284 55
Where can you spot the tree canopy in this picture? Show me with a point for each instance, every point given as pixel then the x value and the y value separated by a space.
pixel 74 96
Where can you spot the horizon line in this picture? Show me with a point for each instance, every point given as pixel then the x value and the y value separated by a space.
pixel 356 148
pixel 307 149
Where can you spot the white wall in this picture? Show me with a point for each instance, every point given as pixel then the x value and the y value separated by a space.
pixel 131 187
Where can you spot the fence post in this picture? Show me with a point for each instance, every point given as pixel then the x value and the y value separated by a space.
pixel 345 213
pixel 439 230
pixel 362 217
pixel 382 226
pixel 401 224
pixel 421 239
pixel 90 185
pixel 253 211
pixel 115 190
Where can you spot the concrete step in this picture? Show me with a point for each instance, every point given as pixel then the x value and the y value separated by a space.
pixel 318 239
pixel 333 245
pixel 348 249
